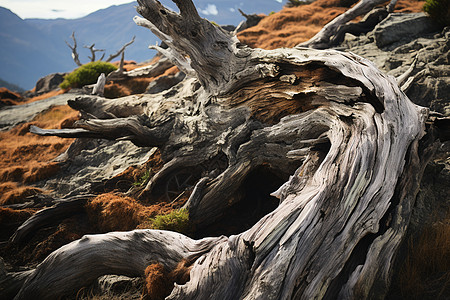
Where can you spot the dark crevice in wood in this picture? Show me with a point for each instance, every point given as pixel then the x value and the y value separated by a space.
pixel 357 258
pixel 254 202
pixel 251 252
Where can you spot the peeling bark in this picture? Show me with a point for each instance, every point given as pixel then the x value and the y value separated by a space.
pixel 348 143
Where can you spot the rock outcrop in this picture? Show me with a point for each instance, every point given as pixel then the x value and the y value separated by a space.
pixel 420 45
pixel 49 83
pixel 397 27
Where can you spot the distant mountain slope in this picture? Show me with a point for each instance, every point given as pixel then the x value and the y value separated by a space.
pixel 10 86
pixel 32 48
pixel 25 52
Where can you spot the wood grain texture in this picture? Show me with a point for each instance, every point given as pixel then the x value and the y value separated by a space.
pixel 342 132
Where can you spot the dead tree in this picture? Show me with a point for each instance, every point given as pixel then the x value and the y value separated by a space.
pixel 93 50
pixel 348 143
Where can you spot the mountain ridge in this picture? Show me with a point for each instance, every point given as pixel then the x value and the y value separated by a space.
pixel 35 47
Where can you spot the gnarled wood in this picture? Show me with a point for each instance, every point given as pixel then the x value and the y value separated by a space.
pixel 62 209
pixel 340 133
pixel 129 253
pixel 99 87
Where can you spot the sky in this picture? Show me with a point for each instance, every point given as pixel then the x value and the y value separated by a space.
pixel 52 9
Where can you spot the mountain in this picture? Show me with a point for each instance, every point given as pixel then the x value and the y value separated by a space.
pixel 33 48
pixel 25 53
pixel 10 86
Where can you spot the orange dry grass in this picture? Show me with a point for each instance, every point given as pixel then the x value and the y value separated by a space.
pixel 426 271
pixel 46 240
pixel 45 96
pixel 157 283
pixel 292 26
pixel 128 65
pixel 126 87
pixel 16 194
pixel 27 158
pixel 111 212
pixel 8 97
pixel 114 212
pixel 67 231
pixel 134 85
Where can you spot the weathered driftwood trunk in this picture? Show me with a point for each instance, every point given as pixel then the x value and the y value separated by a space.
pixel 347 138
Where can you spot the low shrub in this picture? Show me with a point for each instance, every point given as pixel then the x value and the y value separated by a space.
pixel 86 74
pixel 438 10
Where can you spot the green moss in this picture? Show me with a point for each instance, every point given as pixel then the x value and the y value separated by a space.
pixel 86 74
pixel 143 179
pixel 438 10
pixel 177 220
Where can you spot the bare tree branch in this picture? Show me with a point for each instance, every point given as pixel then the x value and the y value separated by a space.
pixel 75 56
pixel 93 50
pixel 112 56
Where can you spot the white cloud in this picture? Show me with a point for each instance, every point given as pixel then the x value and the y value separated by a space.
pixel 279 1
pixel 50 9
pixel 211 9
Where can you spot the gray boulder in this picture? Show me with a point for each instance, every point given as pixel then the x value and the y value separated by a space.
pixel 49 83
pixel 398 26
pixel 116 284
